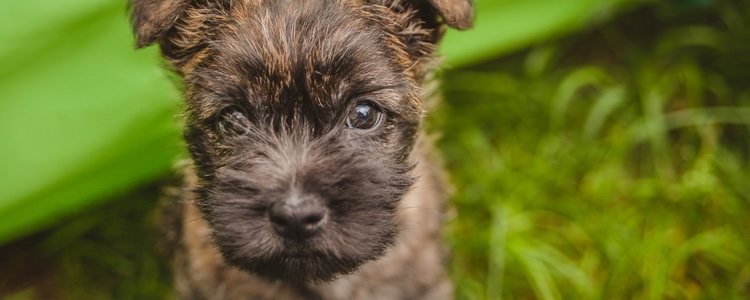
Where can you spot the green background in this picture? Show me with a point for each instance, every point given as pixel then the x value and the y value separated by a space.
pixel 598 149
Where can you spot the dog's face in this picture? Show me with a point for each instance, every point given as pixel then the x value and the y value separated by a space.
pixel 301 116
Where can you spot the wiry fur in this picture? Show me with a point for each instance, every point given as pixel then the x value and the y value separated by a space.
pixel 295 69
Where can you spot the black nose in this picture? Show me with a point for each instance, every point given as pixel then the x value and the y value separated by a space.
pixel 297 219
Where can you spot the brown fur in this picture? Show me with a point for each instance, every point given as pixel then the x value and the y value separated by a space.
pixel 292 70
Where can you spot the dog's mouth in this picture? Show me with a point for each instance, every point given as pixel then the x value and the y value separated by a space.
pixel 313 231
pixel 298 250
pixel 318 259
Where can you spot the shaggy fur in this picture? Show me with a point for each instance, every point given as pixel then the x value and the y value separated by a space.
pixel 289 73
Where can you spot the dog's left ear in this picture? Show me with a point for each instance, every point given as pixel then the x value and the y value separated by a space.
pixel 458 14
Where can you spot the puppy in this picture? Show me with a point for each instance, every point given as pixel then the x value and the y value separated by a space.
pixel 310 178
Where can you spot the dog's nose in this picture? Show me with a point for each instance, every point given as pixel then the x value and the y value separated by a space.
pixel 297 219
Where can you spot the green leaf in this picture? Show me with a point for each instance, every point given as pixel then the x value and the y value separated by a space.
pixel 505 26
pixel 86 115
pixel 606 104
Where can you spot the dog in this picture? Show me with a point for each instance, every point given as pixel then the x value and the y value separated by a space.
pixel 311 177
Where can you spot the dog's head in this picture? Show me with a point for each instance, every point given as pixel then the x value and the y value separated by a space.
pixel 301 116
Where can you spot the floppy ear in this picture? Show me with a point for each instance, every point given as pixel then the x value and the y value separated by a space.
pixel 182 28
pixel 458 14
pixel 152 18
pixel 417 26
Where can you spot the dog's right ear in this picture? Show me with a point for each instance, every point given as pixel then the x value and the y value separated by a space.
pixel 458 14
pixel 152 18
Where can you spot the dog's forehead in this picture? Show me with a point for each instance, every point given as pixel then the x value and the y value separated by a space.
pixel 320 48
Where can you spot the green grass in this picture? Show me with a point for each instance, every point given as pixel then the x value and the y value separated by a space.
pixel 609 163
pixel 111 251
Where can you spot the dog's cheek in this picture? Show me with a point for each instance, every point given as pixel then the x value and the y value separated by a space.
pixel 210 152
pixel 201 147
pixel 237 222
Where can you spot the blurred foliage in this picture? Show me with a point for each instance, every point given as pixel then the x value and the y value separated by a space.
pixel 611 163
pixel 108 253
pixel 503 26
pixel 84 116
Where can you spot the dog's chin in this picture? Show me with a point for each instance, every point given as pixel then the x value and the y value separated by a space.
pixel 300 268
pixel 301 263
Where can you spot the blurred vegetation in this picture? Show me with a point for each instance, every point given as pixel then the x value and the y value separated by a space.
pixel 598 149
pixel 83 116
pixel 611 164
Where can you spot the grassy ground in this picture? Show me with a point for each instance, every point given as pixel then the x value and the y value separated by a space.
pixel 109 252
pixel 611 164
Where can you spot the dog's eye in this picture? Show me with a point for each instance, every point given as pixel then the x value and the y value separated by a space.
pixel 364 116
pixel 232 123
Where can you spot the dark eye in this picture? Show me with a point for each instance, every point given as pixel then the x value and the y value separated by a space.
pixel 364 116
pixel 232 123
